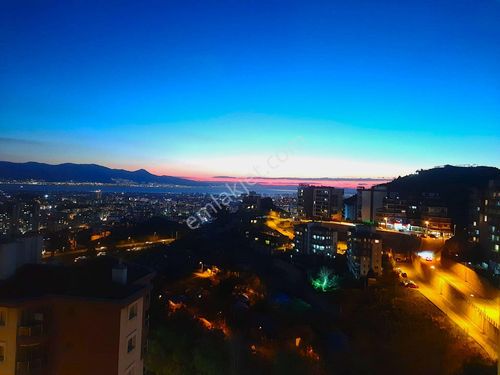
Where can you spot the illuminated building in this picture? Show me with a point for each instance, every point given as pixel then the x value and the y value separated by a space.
pixel 426 214
pixel 89 318
pixel 319 202
pixel 364 252
pixel 313 238
pixel 251 201
pixel 484 228
pixel 369 201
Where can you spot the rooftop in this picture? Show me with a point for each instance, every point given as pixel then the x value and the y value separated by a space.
pixel 89 279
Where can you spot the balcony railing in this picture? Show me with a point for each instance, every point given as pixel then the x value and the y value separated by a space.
pixel 34 330
pixel 30 367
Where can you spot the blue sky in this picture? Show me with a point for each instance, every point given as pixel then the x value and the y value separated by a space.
pixel 202 88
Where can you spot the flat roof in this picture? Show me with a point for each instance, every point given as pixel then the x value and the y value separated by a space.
pixel 86 279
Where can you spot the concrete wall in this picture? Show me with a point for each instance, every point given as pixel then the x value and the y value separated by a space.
pixel 84 335
pixel 18 253
pixel 457 301
pixel 8 336
pixel 476 282
pixel 130 327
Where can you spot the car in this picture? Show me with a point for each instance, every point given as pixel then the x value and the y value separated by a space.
pixel 101 253
pixel 80 258
pixel 411 285
pixel 404 275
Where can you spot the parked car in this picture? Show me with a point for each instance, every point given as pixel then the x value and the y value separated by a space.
pixel 411 285
pixel 80 258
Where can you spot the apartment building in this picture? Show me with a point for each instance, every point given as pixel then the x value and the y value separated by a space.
pixel 320 202
pixel 313 238
pixel 364 252
pixel 369 201
pixel 84 319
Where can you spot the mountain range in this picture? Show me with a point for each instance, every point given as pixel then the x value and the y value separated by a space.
pixel 92 173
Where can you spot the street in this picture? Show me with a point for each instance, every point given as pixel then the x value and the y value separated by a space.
pixel 433 291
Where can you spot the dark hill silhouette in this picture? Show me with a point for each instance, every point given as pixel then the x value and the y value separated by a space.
pixel 83 173
pixel 445 179
pixel 453 184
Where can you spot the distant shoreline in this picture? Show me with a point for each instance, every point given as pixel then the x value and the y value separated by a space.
pixel 143 189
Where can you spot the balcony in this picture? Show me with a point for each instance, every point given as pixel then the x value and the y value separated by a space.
pixel 29 367
pixel 31 330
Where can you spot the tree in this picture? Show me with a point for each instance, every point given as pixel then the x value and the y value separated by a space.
pixel 325 280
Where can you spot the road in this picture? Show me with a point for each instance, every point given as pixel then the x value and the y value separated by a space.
pixel 489 307
pixel 282 225
pixel 134 246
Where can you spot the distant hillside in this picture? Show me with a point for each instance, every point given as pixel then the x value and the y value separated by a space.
pixel 453 184
pixel 83 173
pixel 444 179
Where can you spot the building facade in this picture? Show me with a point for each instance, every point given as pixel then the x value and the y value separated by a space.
pixel 427 215
pixel 74 320
pixel 369 201
pixel 364 252
pixel 16 253
pixel 320 202
pixel 484 225
pixel 313 238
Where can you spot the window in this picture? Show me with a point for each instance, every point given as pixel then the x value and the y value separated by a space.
pixel 3 317
pixel 2 352
pixel 131 343
pixel 132 311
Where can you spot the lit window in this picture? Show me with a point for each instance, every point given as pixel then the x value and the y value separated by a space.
pixel 131 343
pixel 132 311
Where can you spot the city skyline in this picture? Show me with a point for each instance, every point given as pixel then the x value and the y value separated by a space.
pixel 249 187
pixel 207 89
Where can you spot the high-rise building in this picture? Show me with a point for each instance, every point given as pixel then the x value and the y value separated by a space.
pixel 364 252
pixel 369 201
pixel 484 226
pixel 90 318
pixel 320 202
pixel 351 208
pixel 314 238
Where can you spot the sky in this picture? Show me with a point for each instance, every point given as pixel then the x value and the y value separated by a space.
pixel 274 88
